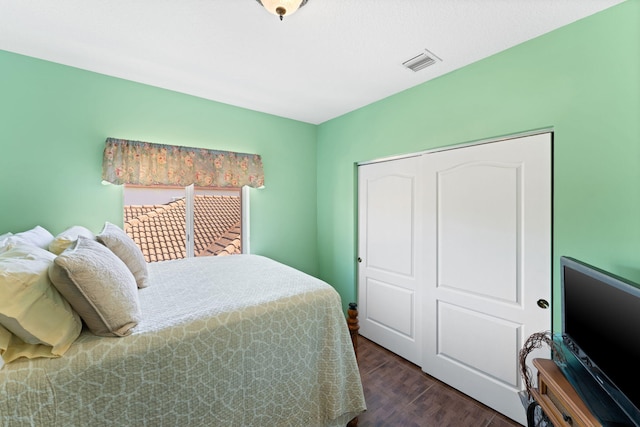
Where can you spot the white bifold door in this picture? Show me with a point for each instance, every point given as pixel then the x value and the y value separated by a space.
pixel 481 262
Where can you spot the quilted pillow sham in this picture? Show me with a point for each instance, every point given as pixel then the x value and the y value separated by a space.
pixel 99 286
pixel 114 238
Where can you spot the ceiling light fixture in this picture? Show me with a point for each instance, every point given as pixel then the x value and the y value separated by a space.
pixel 282 7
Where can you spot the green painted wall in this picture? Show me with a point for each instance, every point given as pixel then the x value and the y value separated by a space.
pixel 53 123
pixel 583 80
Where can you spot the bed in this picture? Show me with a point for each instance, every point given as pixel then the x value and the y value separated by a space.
pixel 221 341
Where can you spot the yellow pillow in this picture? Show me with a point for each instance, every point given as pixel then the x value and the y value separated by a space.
pixel 12 348
pixel 30 307
pixel 63 240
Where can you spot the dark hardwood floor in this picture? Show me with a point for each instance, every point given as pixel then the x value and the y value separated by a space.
pixel 398 393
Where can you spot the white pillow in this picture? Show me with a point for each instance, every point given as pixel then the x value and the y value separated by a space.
pixel 114 238
pixel 30 307
pixel 5 342
pixel 63 240
pixel 99 286
pixel 10 240
pixel 5 240
pixel 37 236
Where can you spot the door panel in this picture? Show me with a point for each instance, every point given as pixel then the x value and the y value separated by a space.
pixel 461 328
pixel 390 226
pixel 390 306
pixel 479 202
pixel 388 275
pixel 487 257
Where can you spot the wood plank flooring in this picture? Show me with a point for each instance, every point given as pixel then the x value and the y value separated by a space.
pixel 398 393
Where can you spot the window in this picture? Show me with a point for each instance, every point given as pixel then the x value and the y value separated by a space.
pixel 170 221
pixel 178 222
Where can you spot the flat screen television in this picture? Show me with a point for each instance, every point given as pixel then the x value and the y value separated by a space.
pixel 601 329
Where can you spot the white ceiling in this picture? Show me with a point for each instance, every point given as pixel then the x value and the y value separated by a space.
pixel 331 57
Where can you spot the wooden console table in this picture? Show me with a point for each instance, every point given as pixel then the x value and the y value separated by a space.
pixel 558 399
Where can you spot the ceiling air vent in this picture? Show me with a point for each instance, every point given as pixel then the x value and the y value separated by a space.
pixel 421 61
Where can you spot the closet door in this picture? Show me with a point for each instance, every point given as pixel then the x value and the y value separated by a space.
pixel 487 256
pixel 389 273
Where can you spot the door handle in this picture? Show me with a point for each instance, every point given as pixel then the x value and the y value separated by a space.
pixel 543 303
pixel 359 259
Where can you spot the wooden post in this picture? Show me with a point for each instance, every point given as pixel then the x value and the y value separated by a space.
pixel 354 326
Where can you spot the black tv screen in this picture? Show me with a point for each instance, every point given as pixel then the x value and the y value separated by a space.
pixel 601 325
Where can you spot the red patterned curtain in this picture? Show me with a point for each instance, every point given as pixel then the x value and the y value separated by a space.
pixel 144 163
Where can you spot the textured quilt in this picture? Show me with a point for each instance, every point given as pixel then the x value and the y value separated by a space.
pixel 224 341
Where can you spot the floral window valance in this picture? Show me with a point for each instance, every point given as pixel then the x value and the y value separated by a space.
pixel 144 163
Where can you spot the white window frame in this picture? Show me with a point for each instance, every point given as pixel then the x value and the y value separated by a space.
pixel 245 209
pixel 189 194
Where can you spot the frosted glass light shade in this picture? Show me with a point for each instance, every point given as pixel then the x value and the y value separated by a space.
pixel 282 8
